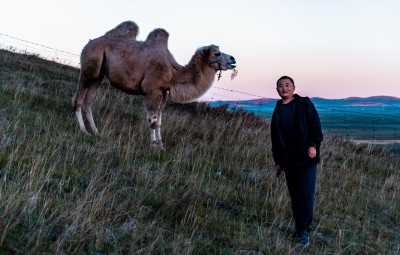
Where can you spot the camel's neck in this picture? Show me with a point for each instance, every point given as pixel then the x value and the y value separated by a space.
pixel 192 81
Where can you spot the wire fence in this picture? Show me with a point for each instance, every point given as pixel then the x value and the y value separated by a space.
pixel 17 45
pixel 371 125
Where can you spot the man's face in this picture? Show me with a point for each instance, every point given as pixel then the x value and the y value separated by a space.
pixel 285 88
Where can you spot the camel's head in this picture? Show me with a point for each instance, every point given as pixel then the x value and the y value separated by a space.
pixel 217 58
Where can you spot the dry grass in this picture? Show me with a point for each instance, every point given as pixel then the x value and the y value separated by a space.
pixel 376 142
pixel 213 191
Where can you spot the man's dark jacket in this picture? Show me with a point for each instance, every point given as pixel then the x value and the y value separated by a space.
pixel 307 133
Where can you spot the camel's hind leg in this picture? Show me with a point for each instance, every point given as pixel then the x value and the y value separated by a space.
pixel 90 77
pixel 77 102
pixel 87 107
pixel 84 97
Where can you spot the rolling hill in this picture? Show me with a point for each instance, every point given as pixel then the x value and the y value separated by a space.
pixel 213 191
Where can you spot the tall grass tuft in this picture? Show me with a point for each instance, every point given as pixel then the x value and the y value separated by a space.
pixel 213 191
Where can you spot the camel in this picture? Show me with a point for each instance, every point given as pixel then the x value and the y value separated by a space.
pixel 144 68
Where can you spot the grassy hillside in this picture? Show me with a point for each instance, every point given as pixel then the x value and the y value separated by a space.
pixel 213 191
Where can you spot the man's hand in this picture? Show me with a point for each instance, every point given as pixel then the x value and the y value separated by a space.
pixel 312 152
pixel 278 170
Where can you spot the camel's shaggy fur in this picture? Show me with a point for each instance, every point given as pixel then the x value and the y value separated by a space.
pixel 144 68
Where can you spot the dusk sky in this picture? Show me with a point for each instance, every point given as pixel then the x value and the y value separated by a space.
pixel 332 49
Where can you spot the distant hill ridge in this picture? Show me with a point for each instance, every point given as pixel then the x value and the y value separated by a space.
pixel 373 101
pixel 366 99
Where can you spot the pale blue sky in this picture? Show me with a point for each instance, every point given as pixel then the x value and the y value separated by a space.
pixel 332 49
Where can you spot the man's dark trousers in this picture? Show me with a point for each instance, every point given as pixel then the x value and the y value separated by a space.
pixel 301 184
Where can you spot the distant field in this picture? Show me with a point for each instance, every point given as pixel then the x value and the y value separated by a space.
pixel 372 128
pixel 370 125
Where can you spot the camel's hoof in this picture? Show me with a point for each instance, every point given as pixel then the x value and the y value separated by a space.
pixel 85 132
pixel 97 134
pixel 157 145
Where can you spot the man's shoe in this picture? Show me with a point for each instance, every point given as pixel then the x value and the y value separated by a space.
pixel 304 238
pixel 293 234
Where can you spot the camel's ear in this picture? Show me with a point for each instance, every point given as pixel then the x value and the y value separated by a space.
pixel 214 46
pixel 205 51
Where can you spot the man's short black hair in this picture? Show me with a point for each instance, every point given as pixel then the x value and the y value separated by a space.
pixel 284 77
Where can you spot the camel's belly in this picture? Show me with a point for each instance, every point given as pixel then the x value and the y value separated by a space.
pixel 133 90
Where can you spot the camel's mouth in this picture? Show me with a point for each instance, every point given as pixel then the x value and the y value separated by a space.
pixel 224 63
pixel 231 66
pixel 231 63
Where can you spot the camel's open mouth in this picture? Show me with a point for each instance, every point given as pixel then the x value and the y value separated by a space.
pixel 230 66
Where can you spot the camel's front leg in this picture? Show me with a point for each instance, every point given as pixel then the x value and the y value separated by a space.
pixel 158 129
pixel 155 133
pixel 153 103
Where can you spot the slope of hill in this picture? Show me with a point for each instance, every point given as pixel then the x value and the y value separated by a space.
pixel 213 191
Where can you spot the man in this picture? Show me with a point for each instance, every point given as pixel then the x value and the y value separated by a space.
pixel 296 137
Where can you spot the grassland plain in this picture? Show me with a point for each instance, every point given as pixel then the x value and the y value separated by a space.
pixel 213 191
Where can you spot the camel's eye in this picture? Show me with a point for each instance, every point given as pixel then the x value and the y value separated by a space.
pixel 218 54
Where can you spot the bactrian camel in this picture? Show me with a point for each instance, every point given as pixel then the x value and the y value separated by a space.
pixel 144 68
